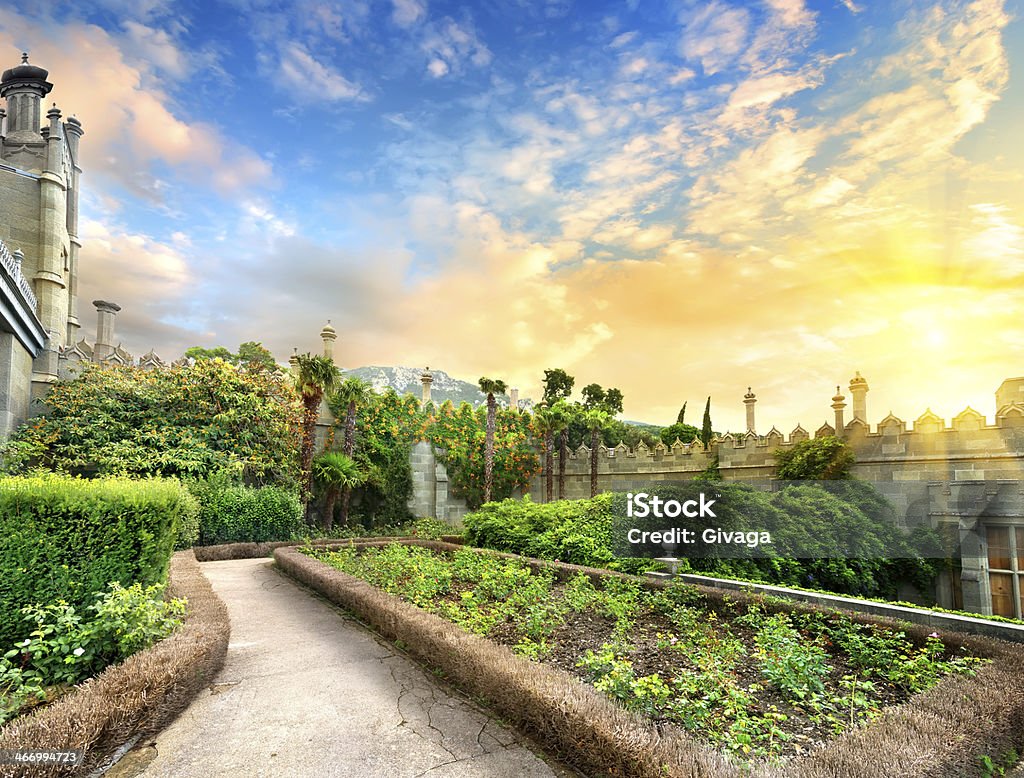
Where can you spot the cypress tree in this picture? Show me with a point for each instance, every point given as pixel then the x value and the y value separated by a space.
pixel 681 418
pixel 705 432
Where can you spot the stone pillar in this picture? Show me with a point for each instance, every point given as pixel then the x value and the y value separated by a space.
pixel 750 399
pixel 73 133
pixel 50 279
pixel 426 380
pixel 328 336
pixel 105 315
pixel 513 398
pixel 293 360
pixel 838 403
pixel 24 87
pixel 859 390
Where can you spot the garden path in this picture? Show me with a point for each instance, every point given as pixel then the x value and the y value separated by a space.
pixel 307 691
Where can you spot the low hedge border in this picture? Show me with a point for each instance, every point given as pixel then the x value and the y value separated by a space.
pixel 225 551
pixel 939 733
pixel 141 695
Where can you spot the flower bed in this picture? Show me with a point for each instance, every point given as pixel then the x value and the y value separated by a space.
pixel 758 681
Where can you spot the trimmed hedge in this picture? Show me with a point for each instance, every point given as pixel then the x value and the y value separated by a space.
pixel 137 697
pixel 232 513
pixel 67 539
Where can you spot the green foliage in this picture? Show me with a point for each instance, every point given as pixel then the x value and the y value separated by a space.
pixel 183 421
pixel 234 513
pixel 796 667
pixel 681 418
pixel 249 353
pixel 684 433
pixel 492 386
pixel 64 538
pixel 557 385
pixel 705 430
pixel 815 459
pixel 574 531
pixel 65 648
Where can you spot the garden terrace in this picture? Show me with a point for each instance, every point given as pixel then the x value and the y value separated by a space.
pixel 705 683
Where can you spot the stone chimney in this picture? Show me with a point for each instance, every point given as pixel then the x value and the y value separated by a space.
pixel 513 398
pixel 328 336
pixel 426 380
pixel 859 390
pixel 24 87
pixel 105 314
pixel 838 403
pixel 750 399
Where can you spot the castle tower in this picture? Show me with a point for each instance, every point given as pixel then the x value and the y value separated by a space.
pixel 513 398
pixel 426 380
pixel 328 336
pixel 105 315
pixel 750 399
pixel 859 390
pixel 39 208
pixel 838 404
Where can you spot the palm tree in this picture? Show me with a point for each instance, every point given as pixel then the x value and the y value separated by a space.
pixel 562 413
pixel 336 472
pixel 544 420
pixel 490 387
pixel 351 393
pixel 314 377
pixel 595 420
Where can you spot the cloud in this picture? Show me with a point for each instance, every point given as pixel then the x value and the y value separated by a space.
pixel 310 80
pixel 450 45
pixel 130 123
pixel 714 35
pixel 406 13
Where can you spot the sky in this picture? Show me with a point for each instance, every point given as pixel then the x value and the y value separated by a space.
pixel 679 199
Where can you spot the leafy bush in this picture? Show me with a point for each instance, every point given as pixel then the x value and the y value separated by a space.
pixel 65 539
pixel 64 648
pixel 827 458
pixel 235 513
pixel 183 421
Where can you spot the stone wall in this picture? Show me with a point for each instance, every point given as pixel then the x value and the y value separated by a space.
pixel 430 493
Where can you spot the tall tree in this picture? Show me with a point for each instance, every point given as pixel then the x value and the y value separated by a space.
pixel 336 473
pixel 253 353
pixel 705 431
pixel 544 420
pixel 561 413
pixel 490 387
pixel 593 396
pixel 612 401
pixel 595 420
pixel 314 377
pixel 557 385
pixel 351 393
pixel 681 418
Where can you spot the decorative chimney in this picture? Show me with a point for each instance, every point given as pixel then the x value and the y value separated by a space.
pixel 838 403
pixel 105 315
pixel 859 390
pixel 328 336
pixel 513 398
pixel 293 360
pixel 426 380
pixel 750 399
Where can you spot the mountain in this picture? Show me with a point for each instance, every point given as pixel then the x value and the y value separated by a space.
pixel 406 380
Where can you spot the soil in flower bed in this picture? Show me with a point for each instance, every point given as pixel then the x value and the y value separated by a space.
pixel 758 685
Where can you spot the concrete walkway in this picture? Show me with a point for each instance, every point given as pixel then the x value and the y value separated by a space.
pixel 306 691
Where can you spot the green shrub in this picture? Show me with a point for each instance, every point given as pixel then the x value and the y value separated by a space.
pixel 233 513
pixel 64 648
pixel 66 539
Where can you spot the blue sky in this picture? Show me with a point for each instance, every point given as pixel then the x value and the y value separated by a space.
pixel 679 199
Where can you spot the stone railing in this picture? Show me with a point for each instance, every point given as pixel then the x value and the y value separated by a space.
pixel 12 266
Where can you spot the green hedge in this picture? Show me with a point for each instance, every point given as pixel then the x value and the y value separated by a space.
pixel 800 516
pixel 232 513
pixel 68 539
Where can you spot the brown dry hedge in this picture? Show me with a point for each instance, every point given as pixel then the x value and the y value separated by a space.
pixel 226 551
pixel 938 734
pixel 141 695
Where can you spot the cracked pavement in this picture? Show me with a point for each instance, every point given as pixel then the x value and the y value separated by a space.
pixel 307 691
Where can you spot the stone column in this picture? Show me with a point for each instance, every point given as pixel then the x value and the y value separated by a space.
pixel 859 390
pixel 838 404
pixel 513 398
pixel 426 380
pixel 105 315
pixel 73 133
pixel 328 336
pixel 750 399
